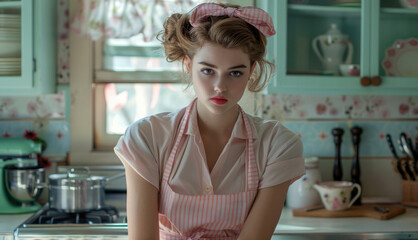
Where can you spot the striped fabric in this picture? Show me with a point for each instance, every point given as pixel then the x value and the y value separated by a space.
pixel 252 15
pixel 212 216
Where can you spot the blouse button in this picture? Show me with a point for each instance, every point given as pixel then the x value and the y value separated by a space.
pixel 208 189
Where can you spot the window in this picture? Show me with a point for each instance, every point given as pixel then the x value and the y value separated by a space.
pixel 115 82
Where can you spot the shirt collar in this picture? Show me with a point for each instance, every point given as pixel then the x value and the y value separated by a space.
pixel 239 130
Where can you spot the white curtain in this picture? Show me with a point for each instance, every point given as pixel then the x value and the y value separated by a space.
pixel 101 19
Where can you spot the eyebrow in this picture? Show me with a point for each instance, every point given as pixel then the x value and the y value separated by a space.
pixel 214 66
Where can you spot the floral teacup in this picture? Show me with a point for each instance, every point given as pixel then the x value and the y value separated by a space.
pixel 336 195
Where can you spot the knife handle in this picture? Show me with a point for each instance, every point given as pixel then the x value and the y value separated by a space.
pixel 407 169
pixel 398 168
pixel 411 147
pixel 391 146
pixel 413 167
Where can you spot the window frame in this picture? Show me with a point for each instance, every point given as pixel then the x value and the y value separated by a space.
pixel 85 104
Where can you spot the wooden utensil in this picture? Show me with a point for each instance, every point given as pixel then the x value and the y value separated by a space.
pixel 355 164
pixel 337 172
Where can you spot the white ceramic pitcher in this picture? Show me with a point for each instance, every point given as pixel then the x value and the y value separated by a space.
pixel 333 46
pixel 301 193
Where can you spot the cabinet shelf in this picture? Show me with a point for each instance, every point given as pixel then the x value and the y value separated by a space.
pixel 324 11
pixel 11 4
pixel 399 11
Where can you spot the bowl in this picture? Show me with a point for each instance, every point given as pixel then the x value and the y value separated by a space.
pixel 24 184
pixel 409 3
pixel 350 69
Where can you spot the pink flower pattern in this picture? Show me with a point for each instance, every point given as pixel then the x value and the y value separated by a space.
pixel 321 108
pixel 403 109
pixel 312 107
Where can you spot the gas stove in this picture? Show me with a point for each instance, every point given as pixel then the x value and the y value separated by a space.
pixel 49 223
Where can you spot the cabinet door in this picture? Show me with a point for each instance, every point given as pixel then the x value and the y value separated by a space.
pixel 36 59
pixel 394 52
pixel 16 60
pixel 300 70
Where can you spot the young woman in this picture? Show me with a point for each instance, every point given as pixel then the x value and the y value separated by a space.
pixel 211 171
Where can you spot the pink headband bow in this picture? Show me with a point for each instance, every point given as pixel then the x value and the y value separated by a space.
pixel 252 15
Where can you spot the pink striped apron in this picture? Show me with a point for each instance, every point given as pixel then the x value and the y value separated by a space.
pixel 214 216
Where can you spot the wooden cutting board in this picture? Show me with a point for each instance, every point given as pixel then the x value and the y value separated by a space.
pixel 365 210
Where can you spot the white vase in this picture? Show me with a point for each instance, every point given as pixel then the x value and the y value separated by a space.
pixel 301 193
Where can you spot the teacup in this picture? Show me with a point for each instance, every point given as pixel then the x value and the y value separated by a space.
pixel 350 69
pixel 336 195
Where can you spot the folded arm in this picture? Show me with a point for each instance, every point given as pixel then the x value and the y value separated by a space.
pixel 265 212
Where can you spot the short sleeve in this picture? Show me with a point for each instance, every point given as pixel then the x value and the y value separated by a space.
pixel 285 159
pixel 136 149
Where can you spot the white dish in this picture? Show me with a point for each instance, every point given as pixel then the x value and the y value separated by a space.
pixel 2 66
pixel 409 3
pixel 401 59
pixel 10 73
pixel 10 60
pixel 10 49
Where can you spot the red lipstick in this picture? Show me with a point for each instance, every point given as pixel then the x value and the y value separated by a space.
pixel 219 100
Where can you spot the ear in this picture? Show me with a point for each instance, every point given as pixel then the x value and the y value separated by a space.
pixel 188 63
pixel 252 68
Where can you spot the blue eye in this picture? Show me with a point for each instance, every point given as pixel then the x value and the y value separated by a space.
pixel 207 71
pixel 236 73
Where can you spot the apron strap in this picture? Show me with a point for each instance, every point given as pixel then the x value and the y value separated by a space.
pixel 251 165
pixel 170 162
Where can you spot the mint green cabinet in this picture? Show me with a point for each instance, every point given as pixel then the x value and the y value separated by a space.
pixel 372 28
pixel 32 70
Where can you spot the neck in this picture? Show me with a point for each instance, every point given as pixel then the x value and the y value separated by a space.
pixel 216 124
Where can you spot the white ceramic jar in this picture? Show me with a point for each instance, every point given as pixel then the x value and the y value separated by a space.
pixel 301 193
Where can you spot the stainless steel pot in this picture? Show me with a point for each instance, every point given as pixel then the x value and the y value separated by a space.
pixel 77 191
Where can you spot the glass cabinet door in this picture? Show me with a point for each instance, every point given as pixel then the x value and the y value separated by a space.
pixel 320 46
pixel 16 39
pixel 395 54
pixel 323 37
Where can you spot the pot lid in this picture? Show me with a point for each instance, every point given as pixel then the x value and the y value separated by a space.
pixel 75 176
pixel 64 180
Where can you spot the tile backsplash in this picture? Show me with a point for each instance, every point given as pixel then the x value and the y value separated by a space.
pixel 313 118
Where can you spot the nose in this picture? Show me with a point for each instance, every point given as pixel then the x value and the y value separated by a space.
pixel 219 85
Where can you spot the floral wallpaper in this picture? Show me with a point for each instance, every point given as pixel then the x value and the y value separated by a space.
pixel 50 106
pixel 339 107
pixel 63 42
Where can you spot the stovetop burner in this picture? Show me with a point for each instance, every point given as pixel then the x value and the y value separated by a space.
pixel 55 216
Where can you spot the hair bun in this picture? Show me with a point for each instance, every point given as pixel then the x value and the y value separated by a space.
pixel 175 36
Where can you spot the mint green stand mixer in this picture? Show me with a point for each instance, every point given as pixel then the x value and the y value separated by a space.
pixel 21 180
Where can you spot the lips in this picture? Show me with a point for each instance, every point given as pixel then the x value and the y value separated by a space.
pixel 218 100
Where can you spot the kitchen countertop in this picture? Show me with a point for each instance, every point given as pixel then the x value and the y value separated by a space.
pixel 289 227
pixel 9 222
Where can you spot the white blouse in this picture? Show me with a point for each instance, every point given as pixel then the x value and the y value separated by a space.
pixel 147 143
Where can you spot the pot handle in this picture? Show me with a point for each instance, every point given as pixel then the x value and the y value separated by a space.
pixel 115 177
pixel 72 172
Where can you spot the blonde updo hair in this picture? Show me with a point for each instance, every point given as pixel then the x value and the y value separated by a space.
pixel 181 39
